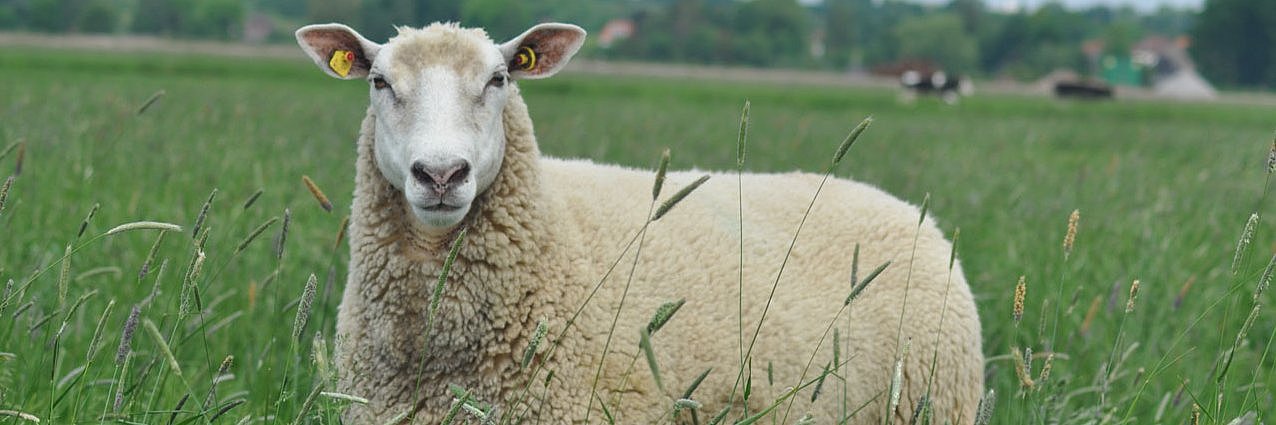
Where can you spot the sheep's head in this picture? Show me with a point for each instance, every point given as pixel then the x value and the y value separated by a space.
pixel 438 94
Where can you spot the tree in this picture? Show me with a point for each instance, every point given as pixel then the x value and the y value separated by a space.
pixel 53 15
pixel 379 17
pixel 1235 42
pixel 940 38
pixel 771 32
pixel 344 11
pixel 503 20
pixel 437 11
pixel 222 19
pixel 839 33
pixel 971 13
pixel 159 16
pixel 100 16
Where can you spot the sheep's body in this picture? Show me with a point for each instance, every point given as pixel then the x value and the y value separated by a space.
pixel 543 233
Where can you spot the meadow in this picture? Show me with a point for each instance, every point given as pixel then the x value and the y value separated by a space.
pixel 220 145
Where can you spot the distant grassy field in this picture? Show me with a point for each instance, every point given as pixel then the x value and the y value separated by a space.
pixel 1164 192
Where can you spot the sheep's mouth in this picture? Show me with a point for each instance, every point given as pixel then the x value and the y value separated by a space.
pixel 440 207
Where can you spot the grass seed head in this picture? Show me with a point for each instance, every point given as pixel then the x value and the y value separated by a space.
pixel 1021 290
pixel 4 191
pixel 678 197
pixel 921 218
pixel 1249 322
pixel 144 225
pixel 303 307
pixel 695 383
pixel 344 397
pixel 860 287
pixel 64 276
pixel 150 101
pixel 1134 294
pixel 1023 369
pixel 163 346
pixel 1187 285
pixel 897 383
pixel 203 214
pixel 126 337
pixel 685 404
pixel 819 383
pixel 20 415
pixel 1089 315
pixel 211 399
pixel 1265 280
pixel 84 225
pixel 341 232
pixel 983 413
pixel 661 170
pixel 4 300
pixel 534 344
pixel 319 353
pixel 1046 368
pixel 1242 245
pixel 318 194
pixel 252 199
pixel 255 233
pixel 850 140
pixel 663 314
pixel 1071 236
pixel 282 238
pixel 1271 157
pixel 150 257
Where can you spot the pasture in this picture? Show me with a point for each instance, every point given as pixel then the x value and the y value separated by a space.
pixel 1164 192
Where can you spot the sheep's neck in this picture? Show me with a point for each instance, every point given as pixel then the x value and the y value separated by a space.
pixel 494 294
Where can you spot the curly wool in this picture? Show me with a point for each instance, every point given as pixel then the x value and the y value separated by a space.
pixel 543 234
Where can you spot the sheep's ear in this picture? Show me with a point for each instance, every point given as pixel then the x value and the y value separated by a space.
pixel 542 50
pixel 338 50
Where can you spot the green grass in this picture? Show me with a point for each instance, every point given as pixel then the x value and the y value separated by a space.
pixel 1164 191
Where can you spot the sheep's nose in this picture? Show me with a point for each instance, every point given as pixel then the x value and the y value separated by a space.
pixel 441 177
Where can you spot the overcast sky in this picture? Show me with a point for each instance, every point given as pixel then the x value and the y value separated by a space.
pixel 1146 5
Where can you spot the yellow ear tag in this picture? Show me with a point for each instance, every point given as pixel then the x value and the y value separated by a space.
pixel 341 62
pixel 525 59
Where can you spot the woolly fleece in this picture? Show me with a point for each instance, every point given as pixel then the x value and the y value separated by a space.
pixel 546 230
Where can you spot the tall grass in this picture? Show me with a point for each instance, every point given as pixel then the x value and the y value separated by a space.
pixel 1166 192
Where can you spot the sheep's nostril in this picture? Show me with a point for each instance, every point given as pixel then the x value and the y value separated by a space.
pixel 459 173
pixel 440 179
pixel 419 173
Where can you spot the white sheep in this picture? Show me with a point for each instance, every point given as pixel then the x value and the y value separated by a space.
pixel 447 144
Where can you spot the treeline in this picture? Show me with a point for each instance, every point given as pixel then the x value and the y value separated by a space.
pixel 963 36
pixel 1233 40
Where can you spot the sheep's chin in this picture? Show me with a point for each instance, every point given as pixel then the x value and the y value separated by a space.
pixel 437 220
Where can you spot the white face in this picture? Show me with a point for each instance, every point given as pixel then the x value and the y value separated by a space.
pixel 439 94
pixel 439 131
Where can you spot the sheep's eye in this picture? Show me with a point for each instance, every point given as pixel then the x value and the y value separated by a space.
pixel 497 80
pixel 379 83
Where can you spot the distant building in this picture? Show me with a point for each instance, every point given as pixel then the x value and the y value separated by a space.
pixel 258 27
pixel 1158 63
pixel 615 31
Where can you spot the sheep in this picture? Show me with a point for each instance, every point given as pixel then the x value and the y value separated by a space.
pixel 447 145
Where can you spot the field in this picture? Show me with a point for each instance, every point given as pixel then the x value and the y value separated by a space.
pixel 1164 192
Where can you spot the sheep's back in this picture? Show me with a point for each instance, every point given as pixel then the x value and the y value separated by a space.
pixel 694 253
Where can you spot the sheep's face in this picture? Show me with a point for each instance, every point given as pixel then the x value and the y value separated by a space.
pixel 438 95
